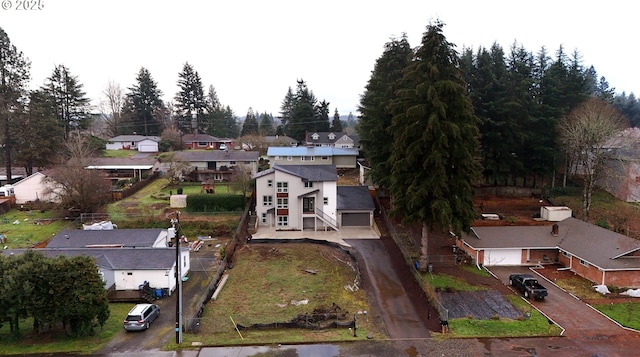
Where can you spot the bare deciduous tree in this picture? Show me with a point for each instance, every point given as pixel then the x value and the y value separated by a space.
pixel 111 108
pixel 72 184
pixel 241 180
pixel 586 134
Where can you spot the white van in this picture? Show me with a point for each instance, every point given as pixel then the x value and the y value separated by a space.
pixel 141 317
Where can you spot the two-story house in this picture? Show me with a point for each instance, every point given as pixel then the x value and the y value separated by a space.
pixel 298 197
pixel 218 165
pixel 341 158
pixel 331 139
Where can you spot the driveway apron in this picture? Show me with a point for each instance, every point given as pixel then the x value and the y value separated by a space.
pixel 575 316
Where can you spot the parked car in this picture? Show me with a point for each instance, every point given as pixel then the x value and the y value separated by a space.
pixel 528 285
pixel 141 317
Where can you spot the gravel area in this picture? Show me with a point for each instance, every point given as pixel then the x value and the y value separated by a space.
pixel 481 305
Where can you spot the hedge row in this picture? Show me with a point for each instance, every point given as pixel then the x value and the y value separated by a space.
pixel 213 203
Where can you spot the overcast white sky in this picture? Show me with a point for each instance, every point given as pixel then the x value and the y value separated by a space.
pixel 252 51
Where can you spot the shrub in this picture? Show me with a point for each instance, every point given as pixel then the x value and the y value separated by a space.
pixel 209 203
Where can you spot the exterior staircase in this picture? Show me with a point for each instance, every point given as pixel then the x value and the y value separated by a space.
pixel 326 219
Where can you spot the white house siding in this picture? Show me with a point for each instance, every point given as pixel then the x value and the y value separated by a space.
pixel 32 188
pixel 329 190
pixel 295 205
pixel 498 257
pixel 160 279
pixel 108 276
pixel 117 145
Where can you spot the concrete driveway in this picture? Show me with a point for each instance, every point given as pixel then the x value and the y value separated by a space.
pixel 575 316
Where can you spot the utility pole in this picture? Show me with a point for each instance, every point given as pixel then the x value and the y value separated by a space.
pixel 176 225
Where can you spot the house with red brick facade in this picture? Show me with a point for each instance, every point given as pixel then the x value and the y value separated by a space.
pixel 595 253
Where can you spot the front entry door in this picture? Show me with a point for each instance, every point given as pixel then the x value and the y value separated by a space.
pixel 308 204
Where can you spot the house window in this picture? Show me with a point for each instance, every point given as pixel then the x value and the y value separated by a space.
pixel 308 158
pixel 129 273
pixel 308 184
pixel 325 158
pixel 283 203
pixel 315 136
pixel 232 162
pixel 282 187
pixel 283 221
pixel 202 143
pixel 264 218
pixel 332 136
pixel 269 183
pixel 325 200
pixel 582 262
pixel 289 158
pixel 267 200
pixel 247 162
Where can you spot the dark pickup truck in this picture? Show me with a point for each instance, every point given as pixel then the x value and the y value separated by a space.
pixel 528 285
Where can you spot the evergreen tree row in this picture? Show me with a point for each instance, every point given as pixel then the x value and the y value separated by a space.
pixel 518 97
pixel 57 293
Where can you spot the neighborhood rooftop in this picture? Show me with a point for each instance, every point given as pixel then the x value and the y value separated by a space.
pixel 310 151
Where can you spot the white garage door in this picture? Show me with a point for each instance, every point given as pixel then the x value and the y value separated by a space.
pixel 502 257
pixel 147 148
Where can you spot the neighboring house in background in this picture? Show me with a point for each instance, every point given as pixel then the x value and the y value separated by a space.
pixel 620 171
pixel 205 141
pixel 218 165
pixel 262 143
pixel 140 143
pixel 331 139
pixel 298 197
pixel 34 188
pixel 302 155
pixel 116 168
pixel 363 175
pixel 595 253
pixel 280 140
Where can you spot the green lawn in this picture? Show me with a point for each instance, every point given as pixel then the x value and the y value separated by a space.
pixel 23 229
pixel 626 314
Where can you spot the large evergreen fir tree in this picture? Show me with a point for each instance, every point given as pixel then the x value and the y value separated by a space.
pixel 250 125
pixel 375 116
pixel 434 156
pixel 142 103
pixel 70 100
pixel 14 81
pixel 190 103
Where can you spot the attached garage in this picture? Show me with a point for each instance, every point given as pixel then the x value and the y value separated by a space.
pixel 352 219
pixel 355 206
pixel 147 145
pixel 502 257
